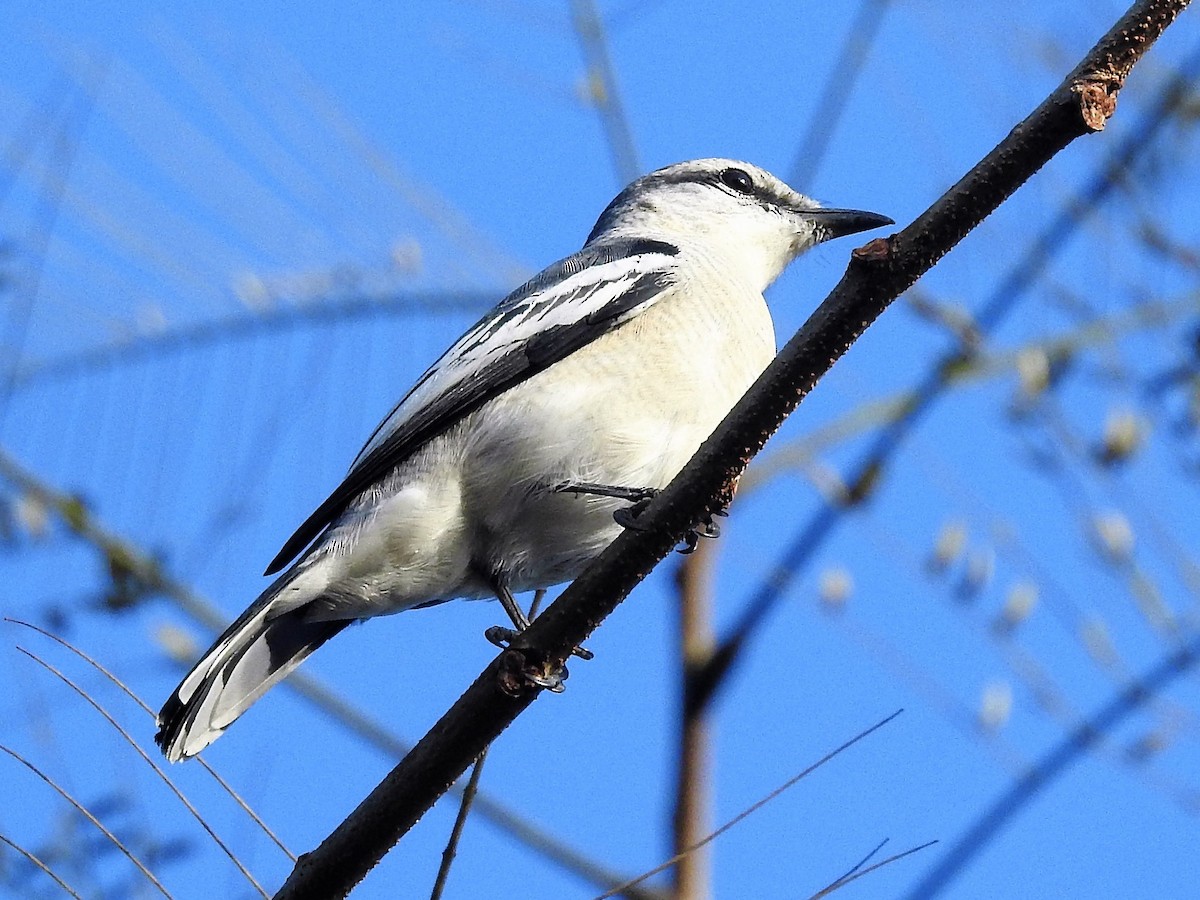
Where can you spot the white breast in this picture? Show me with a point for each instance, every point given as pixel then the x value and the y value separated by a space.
pixel 629 409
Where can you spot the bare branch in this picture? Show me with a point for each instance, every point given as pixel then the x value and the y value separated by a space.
pixel 148 761
pixel 839 85
pixel 877 274
pixel 1086 93
pixel 460 821
pixel 693 801
pixel 756 806
pixel 87 814
pixel 365 306
pixel 858 865
pixel 602 89
pixel 19 312
pixel 885 411
pixel 41 865
pixel 245 807
pixel 855 875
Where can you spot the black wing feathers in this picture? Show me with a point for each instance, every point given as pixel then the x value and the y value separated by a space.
pixel 525 359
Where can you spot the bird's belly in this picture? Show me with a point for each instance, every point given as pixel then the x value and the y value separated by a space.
pixel 628 410
pixel 536 535
pixel 405 545
pixel 477 505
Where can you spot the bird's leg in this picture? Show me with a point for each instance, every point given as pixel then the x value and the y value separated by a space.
pixel 635 495
pixel 500 635
pixel 503 637
pixel 536 603
pixel 515 613
pixel 640 499
pixel 707 528
pixel 626 517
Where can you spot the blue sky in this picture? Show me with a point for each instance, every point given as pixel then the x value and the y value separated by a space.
pixel 399 168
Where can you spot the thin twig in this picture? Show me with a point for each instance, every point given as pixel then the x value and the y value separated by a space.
pixel 438 210
pixel 839 85
pixel 245 807
pixel 501 816
pixel 154 346
pixel 40 114
pixel 86 813
pixel 464 809
pixel 854 876
pixel 472 789
pixel 884 411
pixel 20 308
pixel 754 807
pixel 41 865
pixel 150 762
pixel 862 862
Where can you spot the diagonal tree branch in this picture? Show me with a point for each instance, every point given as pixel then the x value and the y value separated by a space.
pixel 866 472
pixel 877 274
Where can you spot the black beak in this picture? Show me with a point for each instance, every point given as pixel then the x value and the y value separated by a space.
pixel 836 223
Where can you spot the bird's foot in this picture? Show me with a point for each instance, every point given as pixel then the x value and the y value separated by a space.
pixel 626 517
pixel 503 636
pixel 706 529
pixel 519 672
pixel 640 498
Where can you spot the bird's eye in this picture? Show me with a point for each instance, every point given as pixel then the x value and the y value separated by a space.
pixel 739 180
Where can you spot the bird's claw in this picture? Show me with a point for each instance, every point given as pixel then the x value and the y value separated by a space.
pixel 627 516
pixel 707 528
pixel 517 674
pixel 552 682
pixel 500 635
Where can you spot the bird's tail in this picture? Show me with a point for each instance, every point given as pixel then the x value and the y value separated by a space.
pixel 258 650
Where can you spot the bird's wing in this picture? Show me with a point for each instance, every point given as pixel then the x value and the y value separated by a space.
pixel 564 308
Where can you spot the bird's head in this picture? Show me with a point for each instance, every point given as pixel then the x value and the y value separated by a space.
pixel 740 213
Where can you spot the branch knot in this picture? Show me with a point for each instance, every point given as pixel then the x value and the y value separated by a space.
pixel 1097 101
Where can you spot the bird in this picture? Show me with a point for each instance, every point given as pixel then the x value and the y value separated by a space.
pixel 507 466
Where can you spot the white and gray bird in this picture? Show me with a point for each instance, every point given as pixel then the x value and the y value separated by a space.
pixel 607 370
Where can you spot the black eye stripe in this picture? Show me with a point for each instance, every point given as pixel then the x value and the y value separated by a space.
pixel 738 180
